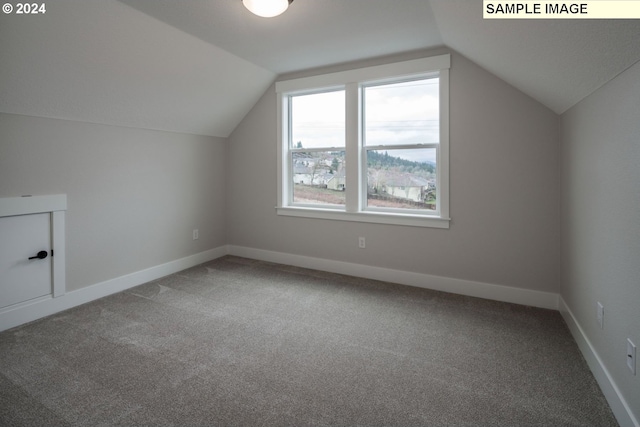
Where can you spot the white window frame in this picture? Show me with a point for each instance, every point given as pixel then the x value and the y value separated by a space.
pixel 355 206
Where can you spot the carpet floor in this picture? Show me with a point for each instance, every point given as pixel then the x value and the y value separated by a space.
pixel 238 342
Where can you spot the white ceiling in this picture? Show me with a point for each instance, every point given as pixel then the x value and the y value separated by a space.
pixel 311 33
pixel 198 66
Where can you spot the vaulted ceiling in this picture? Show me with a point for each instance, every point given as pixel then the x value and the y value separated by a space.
pixel 198 66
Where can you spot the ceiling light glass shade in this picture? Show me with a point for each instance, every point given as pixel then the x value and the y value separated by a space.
pixel 266 8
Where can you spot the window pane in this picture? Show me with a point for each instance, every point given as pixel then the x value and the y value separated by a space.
pixel 318 120
pixel 402 179
pixel 319 177
pixel 402 113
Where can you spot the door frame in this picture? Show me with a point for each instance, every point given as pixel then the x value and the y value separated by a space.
pixel 55 205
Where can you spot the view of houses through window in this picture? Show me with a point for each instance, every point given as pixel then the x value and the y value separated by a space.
pixel 397 182
pixel 392 181
pixel 399 149
pixel 319 177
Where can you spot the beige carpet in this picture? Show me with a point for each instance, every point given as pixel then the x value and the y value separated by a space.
pixel 242 342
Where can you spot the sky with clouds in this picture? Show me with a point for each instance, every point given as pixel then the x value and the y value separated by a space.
pixel 394 114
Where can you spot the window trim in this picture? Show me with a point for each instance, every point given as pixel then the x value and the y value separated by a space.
pixel 351 81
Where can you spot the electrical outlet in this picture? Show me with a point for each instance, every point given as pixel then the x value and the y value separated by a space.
pixel 361 243
pixel 196 234
pixel 631 356
pixel 600 315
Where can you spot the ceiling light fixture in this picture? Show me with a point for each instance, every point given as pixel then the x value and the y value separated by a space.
pixel 267 8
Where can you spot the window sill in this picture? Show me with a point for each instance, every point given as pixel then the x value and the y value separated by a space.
pixel 371 217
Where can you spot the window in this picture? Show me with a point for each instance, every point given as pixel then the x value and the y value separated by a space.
pixel 367 145
pixel 317 146
pixel 401 133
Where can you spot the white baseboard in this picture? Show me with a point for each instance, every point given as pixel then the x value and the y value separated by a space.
pixel 457 286
pixel 33 310
pixel 617 402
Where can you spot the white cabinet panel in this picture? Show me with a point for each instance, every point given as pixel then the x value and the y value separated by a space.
pixel 21 237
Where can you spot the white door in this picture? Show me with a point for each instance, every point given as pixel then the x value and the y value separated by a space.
pixel 23 237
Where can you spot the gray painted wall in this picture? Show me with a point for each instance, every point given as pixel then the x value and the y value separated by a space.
pixel 134 195
pixel 504 193
pixel 601 222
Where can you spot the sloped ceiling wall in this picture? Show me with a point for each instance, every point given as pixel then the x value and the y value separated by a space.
pixel 104 62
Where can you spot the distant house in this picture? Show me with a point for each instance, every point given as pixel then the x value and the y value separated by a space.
pixel 337 181
pixel 305 175
pixel 301 174
pixel 318 172
pixel 406 186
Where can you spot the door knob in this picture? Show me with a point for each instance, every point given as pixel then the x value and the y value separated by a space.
pixel 40 255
